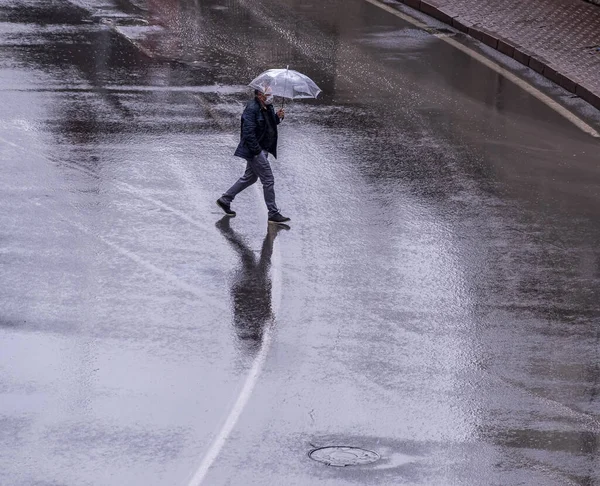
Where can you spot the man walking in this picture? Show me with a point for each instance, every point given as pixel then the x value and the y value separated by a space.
pixel 258 139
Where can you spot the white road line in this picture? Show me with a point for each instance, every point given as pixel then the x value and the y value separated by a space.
pixel 8 142
pixel 236 411
pixel 168 276
pixel 257 367
pixel 532 90
pixel 125 187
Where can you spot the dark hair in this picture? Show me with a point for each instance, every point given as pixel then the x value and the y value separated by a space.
pixel 257 92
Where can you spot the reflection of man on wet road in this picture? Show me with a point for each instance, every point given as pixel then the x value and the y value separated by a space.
pixel 258 138
pixel 251 289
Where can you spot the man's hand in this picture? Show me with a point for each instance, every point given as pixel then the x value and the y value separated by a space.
pixel 281 113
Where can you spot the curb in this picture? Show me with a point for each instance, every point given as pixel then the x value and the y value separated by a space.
pixel 507 47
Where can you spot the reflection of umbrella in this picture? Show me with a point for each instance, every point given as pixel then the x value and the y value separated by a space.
pixel 286 83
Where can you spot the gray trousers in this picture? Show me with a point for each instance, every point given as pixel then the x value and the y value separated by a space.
pixel 257 167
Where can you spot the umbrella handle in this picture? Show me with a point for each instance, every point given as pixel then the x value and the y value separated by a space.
pixel 287 68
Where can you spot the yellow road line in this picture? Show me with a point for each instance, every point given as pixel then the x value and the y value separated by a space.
pixel 532 90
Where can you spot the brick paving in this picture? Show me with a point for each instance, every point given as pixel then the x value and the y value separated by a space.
pixel 557 38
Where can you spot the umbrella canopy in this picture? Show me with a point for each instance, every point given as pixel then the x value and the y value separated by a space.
pixel 286 83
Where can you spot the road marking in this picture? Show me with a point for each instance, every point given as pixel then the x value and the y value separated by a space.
pixel 125 187
pixel 532 90
pixel 235 413
pixel 198 292
pixel 259 361
pixel 8 142
pixel 257 367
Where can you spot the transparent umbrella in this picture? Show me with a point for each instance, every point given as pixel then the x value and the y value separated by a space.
pixel 286 83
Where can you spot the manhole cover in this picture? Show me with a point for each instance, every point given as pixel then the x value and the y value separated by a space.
pixel 343 456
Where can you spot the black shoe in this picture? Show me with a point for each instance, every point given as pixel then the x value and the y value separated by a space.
pixel 225 207
pixel 278 219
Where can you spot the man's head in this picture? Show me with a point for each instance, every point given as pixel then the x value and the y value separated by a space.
pixel 265 97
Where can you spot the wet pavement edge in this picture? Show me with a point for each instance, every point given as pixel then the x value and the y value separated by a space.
pixel 519 53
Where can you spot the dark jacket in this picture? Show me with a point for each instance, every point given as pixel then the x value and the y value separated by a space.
pixel 254 130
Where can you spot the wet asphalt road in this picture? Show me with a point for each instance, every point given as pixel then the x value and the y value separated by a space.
pixel 436 299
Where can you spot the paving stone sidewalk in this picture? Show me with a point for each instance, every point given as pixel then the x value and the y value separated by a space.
pixel 559 39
